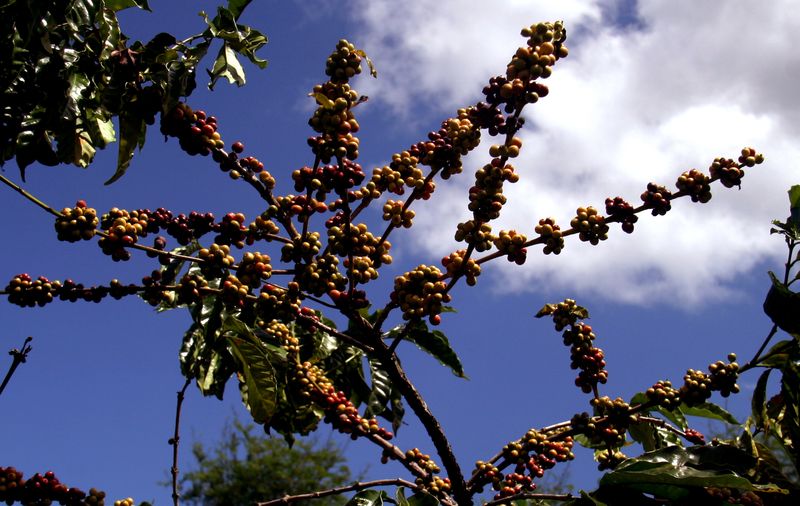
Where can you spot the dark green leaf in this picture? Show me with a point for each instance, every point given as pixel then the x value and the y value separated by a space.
pixel 758 402
pixel 368 498
pixel 422 499
pixel 783 306
pixel 709 410
pixel 132 131
pixel 794 204
pixel 400 497
pixel 780 353
pixel 435 343
pixel 236 7
pixel 381 389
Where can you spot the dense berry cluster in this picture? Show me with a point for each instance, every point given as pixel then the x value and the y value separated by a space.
pixel 455 265
pixel 486 198
pixel 727 171
pixel 698 385
pixel 550 233
pixel 344 63
pixel 750 158
pixel 77 223
pixel 476 234
pixel 43 489
pixel 588 359
pixel 24 291
pixel 609 459
pixel 657 198
pixel 122 229
pixel 565 313
pixel 545 46
pixel 726 495
pixel 664 395
pixel 421 293
pixel 328 178
pixel 254 268
pixel 620 210
pixel 512 244
pixel 696 184
pixel 358 241
pixel 196 132
pixel 216 260
pixel 590 224
pixel 395 213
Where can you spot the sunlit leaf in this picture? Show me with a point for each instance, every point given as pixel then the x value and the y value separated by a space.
pixel 227 65
pixel 256 369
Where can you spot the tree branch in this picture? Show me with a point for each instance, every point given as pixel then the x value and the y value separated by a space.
pixel 19 357
pixel 174 442
pixel 288 499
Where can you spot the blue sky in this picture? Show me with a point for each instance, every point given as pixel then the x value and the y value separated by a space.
pixel 646 93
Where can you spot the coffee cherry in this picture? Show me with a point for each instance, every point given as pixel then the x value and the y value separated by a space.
pixel 622 211
pixel 478 235
pixel 26 292
pixel 216 260
pixel 237 147
pixel 664 395
pixel 393 212
pixel 694 436
pixel 343 63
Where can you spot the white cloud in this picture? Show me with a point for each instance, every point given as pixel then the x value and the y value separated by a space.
pixel 692 81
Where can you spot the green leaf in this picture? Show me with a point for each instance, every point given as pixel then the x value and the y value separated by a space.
pixel 368 498
pixel 701 466
pixel 400 497
pixel 236 7
pixel 758 402
pixel 132 131
pixel 780 354
pixel 794 204
pixel 381 389
pixel 434 343
pixel 227 66
pixel 323 100
pixel 118 5
pixel 422 499
pixel 783 306
pixel 258 372
pixel 709 410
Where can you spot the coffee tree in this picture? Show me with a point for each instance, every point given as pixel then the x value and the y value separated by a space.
pixel 265 292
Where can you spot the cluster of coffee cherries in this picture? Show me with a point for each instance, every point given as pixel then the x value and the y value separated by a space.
pixel 698 385
pixel 196 132
pixel 43 489
pixel 486 198
pixel 724 495
pixel 664 395
pixel 590 224
pixel 588 359
pixel 531 456
pixel 476 234
pixel 456 266
pixel 620 210
pixel 512 244
pixel 550 233
pixel 24 291
pixel 696 184
pixel 329 178
pixel 421 293
pixel 77 223
pixel 579 336
pixel 333 118
pixel 395 213
pixel 430 482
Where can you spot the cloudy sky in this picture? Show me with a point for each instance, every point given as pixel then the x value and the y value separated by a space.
pixel 649 90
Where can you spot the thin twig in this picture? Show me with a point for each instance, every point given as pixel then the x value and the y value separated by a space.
pixel 530 495
pixel 29 196
pixel 19 357
pixel 288 499
pixel 174 442
pixel 752 362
